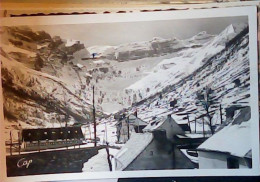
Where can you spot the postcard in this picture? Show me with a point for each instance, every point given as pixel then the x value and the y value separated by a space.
pixel 148 94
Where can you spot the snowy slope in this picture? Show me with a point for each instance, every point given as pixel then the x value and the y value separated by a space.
pixel 37 91
pixel 99 162
pixel 229 88
pixel 144 75
pixel 100 50
pixel 171 71
pixel 173 78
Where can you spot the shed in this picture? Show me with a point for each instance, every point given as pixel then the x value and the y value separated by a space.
pixel 185 127
pixel 128 124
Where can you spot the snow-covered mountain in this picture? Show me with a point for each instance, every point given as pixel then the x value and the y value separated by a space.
pixel 101 50
pixel 221 82
pixel 209 86
pixel 48 81
pixel 172 70
pixel 37 77
pixel 153 48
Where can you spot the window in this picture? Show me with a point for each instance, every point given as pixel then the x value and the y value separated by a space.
pixel 151 153
pixel 232 163
pixel 152 123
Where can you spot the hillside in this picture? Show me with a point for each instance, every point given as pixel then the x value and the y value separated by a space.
pixel 36 88
pixel 222 81
pixel 48 81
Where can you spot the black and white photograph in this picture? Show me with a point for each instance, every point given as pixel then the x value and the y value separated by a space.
pixel 173 94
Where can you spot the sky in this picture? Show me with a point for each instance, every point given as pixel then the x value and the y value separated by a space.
pixel 119 33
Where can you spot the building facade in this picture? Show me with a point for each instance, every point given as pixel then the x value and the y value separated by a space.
pixel 50 138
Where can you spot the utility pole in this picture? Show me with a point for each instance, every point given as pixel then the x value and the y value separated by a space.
pixel 220 109
pixel 203 125
pixel 189 122
pixel 108 158
pixel 94 118
pixel 195 125
pixel 11 143
pixel 106 130
pixel 66 129
pixel 128 132
pixel 19 142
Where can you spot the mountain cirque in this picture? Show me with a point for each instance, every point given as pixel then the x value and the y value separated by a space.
pixel 47 81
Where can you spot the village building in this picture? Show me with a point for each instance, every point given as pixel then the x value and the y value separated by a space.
pixel 137 123
pixel 185 127
pixel 230 147
pixel 153 149
pixel 166 123
pixel 50 138
pixel 150 151
pixel 128 124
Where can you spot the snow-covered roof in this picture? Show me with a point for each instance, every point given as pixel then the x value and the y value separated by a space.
pixel 133 120
pixel 133 147
pixel 192 158
pixel 137 121
pixel 249 154
pixel 233 139
pixel 155 124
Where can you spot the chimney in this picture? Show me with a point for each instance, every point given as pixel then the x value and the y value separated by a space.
pixel 135 113
pixel 160 135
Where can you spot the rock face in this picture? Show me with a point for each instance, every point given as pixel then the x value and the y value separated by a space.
pixel 34 90
pixel 153 48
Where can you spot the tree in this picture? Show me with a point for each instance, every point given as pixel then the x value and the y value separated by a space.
pixel 173 103
pixel 205 99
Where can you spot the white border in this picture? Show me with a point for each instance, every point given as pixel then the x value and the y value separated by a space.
pixel 251 12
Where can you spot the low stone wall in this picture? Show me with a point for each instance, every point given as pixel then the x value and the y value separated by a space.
pixel 52 162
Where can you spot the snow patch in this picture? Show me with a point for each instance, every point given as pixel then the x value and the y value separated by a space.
pixel 99 162
pixel 70 42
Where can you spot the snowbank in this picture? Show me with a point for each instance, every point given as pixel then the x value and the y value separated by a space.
pixel 99 162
